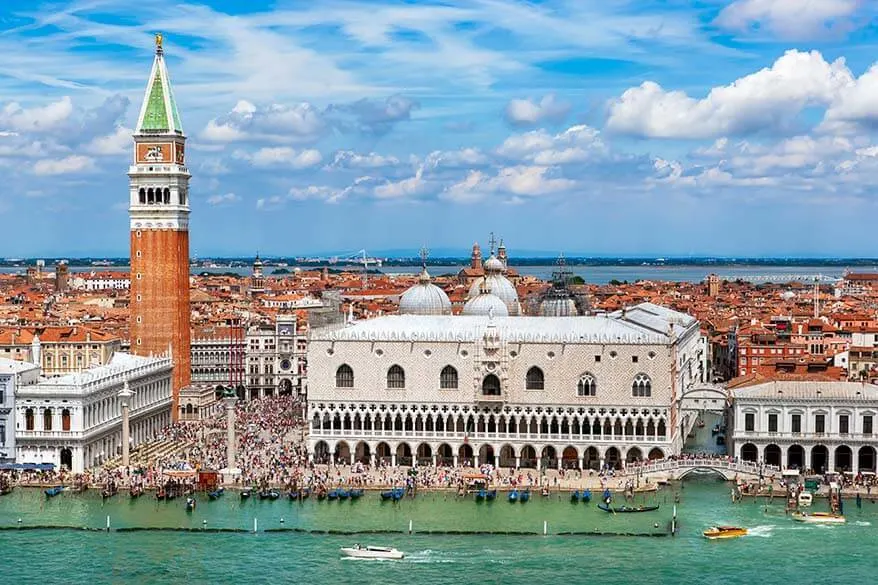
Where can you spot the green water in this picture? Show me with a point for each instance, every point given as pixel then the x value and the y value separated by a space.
pixel 776 549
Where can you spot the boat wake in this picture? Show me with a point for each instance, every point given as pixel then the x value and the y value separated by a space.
pixel 862 523
pixel 429 557
pixel 763 531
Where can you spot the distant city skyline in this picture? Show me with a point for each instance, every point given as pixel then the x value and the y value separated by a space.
pixel 728 129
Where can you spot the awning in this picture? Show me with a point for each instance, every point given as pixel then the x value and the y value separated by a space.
pixel 28 466
pixel 481 476
pixel 179 472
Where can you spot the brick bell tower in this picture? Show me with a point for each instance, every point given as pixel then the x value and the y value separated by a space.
pixel 159 213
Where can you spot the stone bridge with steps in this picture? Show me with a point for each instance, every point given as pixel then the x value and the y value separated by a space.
pixel 728 470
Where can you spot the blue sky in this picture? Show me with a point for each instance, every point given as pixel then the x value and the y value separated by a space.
pixel 668 127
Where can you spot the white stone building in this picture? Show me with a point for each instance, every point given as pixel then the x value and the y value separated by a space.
pixel 75 421
pixel 274 358
pixel 821 426
pixel 13 373
pixel 512 391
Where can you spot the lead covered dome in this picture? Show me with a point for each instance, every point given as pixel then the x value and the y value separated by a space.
pixel 498 284
pixel 485 304
pixel 424 298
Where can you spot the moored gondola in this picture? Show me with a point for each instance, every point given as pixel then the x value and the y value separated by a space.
pixel 135 492
pixel 491 495
pixel 585 496
pixel 190 504
pixel 626 509
pixel 216 493
pixel 513 496
pixel 356 493
pixel 394 495
pixel 524 496
pixel 343 494
pixel 245 493
pixel 54 491
pixel 574 497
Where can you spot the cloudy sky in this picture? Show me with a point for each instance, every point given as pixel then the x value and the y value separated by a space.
pixel 665 127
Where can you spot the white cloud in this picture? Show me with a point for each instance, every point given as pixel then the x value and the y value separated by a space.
pixel 855 104
pixel 527 112
pixel 766 99
pixel 409 187
pixel 792 19
pixel 463 158
pixel 575 145
pixel 269 203
pixel 119 142
pixel 301 123
pixel 529 181
pixel 281 156
pixel 224 199
pixel 348 159
pixel 67 165
pixel 38 119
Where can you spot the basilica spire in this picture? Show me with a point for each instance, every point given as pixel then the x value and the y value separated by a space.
pixel 158 114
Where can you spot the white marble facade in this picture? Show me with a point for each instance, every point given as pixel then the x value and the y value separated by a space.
pixel 817 426
pixel 75 421
pixel 512 391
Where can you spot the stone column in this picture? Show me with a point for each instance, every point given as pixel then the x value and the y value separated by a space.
pixel 231 447
pixel 517 462
pixel 454 458
pixel 124 395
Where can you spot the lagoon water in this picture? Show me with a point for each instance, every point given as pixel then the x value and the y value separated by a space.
pixel 777 549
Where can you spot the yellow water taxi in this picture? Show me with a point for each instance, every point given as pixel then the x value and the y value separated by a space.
pixel 721 532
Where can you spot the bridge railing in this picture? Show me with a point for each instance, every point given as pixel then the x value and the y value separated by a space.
pixel 671 465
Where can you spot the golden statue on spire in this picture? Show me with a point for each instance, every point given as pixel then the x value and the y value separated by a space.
pixel 158 40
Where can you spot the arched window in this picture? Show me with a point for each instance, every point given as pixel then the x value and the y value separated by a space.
pixel 167 195
pixel 150 196
pixel 395 377
pixel 491 385
pixel 142 196
pixel 587 385
pixel 448 378
pixel 47 419
pixel 29 419
pixel 344 377
pixel 535 379
pixel 65 420
pixel 642 386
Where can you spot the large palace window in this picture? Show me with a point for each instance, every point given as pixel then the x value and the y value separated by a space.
pixel 448 378
pixel 491 385
pixel 642 386
pixel 587 385
pixel 535 379
pixel 344 377
pixel 395 377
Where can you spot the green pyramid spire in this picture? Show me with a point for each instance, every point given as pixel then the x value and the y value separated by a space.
pixel 156 117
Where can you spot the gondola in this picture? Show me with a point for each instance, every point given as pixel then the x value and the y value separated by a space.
pixel 513 496
pixel 491 495
pixel 574 497
pixel 269 495
pixel 585 496
pixel 627 509
pixel 108 493
pixel 5 490
pixel 524 496
pixel 395 494
pixel 356 493
pixel 135 492
pixel 332 495
pixel 245 494
pixel 54 491
pixel 481 495
pixel 305 493
pixel 294 494
pixel 343 494
pixel 190 504
pixel 216 493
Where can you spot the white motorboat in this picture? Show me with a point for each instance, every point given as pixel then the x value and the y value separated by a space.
pixel 372 552
pixel 805 499
pixel 818 518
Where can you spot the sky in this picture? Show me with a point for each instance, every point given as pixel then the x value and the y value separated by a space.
pixel 620 127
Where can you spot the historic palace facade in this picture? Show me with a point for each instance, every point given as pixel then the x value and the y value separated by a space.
pixel 509 391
